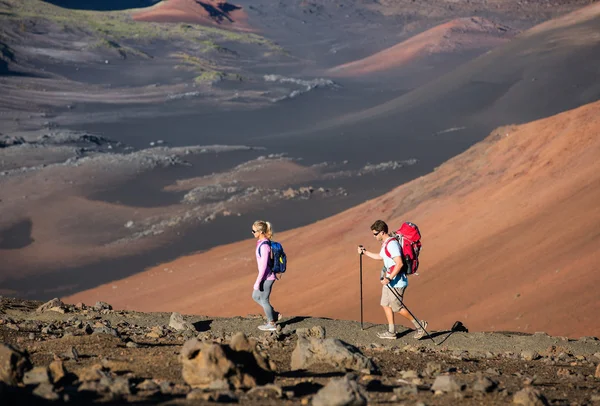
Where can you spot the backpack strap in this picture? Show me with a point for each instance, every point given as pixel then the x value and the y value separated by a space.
pixel 385 247
pixel 263 243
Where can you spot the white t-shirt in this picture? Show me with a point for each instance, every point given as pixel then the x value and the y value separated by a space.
pixel 393 247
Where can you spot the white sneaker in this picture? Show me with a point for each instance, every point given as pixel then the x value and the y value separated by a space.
pixel 421 331
pixel 268 327
pixel 387 335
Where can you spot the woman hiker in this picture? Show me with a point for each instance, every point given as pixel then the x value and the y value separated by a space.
pixel 263 232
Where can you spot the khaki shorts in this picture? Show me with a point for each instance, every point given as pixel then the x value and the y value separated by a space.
pixel 389 300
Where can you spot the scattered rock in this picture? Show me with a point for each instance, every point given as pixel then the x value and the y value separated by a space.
pixel 13 364
pixel 179 324
pixel 530 355
pixel 341 392
pixel 205 363
pixel 57 371
pixel 36 376
pixel 597 374
pixel 445 383
pixel 92 373
pixel 217 397
pixel 313 332
pixel 484 384
pixel 53 305
pixel 267 391
pixel 433 369
pixel 330 351
pixel 99 306
pixel 529 397
pixel 46 391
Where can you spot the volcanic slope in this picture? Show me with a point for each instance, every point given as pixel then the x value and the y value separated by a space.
pixel 510 233
pixel 541 72
pixel 191 11
pixel 456 36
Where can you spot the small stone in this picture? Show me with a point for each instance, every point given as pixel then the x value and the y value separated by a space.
pixel 445 383
pixel 530 355
pixel 409 374
pixel 102 306
pixel 46 391
pixel 342 391
pixel 529 397
pixel 13 364
pixel 484 385
pixel 36 376
pixel 178 323
pixel 597 374
pixel 57 371
pixel 433 369
pixel 148 385
pixel 132 344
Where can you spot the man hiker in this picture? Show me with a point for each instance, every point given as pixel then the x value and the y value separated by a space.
pixel 394 275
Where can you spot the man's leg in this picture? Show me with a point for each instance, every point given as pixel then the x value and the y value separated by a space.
pixel 404 313
pixel 420 328
pixel 387 303
pixel 389 315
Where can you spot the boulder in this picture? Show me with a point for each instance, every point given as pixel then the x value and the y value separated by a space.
pixel 57 371
pixel 341 392
pixel 177 323
pixel 36 376
pixel 445 383
pixel 484 384
pixel 530 355
pixel 46 391
pixel 529 397
pixel 210 365
pixel 13 364
pixel 99 306
pixel 53 305
pixel 330 351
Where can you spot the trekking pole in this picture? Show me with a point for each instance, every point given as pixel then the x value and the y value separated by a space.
pixel 361 295
pixel 409 312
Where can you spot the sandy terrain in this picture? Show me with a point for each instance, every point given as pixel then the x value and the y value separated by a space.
pixel 510 225
pixel 460 35
pixel 199 12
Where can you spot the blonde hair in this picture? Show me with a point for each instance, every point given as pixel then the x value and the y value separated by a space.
pixel 264 227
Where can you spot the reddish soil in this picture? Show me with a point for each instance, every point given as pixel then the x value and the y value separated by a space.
pixel 511 242
pixel 459 35
pixel 196 12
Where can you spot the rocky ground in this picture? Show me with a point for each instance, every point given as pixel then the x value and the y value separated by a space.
pixel 55 352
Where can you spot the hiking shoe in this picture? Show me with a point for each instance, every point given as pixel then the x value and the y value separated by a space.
pixel 278 316
pixel 268 327
pixel 387 335
pixel 421 331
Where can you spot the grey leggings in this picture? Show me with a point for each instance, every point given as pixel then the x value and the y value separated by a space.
pixel 262 298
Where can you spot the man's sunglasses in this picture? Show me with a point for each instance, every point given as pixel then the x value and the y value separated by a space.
pixel 376 233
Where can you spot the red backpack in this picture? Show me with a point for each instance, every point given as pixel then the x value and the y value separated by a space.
pixel 409 237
